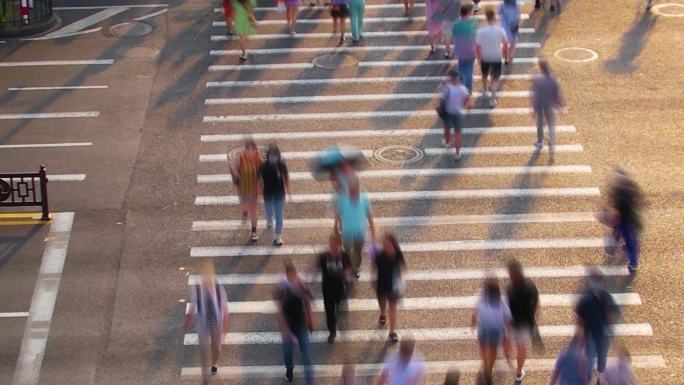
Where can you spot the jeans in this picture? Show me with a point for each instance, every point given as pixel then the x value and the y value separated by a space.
pixel 275 206
pixel 332 299
pixel 353 245
pixel 597 350
pixel 465 69
pixel 302 335
pixel 550 115
pixel 631 243
pixel 356 10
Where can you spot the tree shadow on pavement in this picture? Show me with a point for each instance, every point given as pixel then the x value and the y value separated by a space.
pixel 12 244
pixel 632 44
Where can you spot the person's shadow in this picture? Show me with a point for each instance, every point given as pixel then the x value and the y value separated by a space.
pixel 631 45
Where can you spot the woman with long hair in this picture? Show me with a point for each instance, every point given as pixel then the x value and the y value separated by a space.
pixel 389 264
pixel 509 14
pixel 275 183
pixel 245 171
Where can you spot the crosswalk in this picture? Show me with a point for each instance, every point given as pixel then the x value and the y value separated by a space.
pixel 457 222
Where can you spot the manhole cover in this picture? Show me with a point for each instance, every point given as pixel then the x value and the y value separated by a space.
pixel 334 60
pixel 669 9
pixel 576 54
pixel 130 29
pixel 235 153
pixel 398 154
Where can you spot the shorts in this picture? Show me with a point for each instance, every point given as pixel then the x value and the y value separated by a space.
pixel 490 337
pixel 339 10
pixel 456 120
pixel 492 69
pixel 522 334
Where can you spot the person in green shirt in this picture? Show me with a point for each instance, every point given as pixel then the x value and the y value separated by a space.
pixel 243 19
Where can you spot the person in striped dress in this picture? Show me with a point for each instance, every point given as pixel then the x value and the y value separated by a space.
pixel 245 170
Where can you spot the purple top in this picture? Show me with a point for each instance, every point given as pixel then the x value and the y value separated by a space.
pixel 545 91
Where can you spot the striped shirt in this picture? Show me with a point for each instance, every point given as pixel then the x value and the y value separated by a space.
pixel 248 170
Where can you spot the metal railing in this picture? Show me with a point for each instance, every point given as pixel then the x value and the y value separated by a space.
pixel 25 189
pixel 15 14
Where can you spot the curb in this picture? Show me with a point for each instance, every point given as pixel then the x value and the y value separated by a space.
pixel 34 29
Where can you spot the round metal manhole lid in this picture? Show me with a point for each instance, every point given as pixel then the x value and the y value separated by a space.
pixel 576 55
pixel 398 154
pixel 130 29
pixel 668 9
pixel 334 61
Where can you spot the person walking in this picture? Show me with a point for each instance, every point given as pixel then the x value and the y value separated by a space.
pixel 571 365
pixel 245 173
pixel 451 109
pixel 433 23
pixel 546 97
pixel 449 11
pixel 356 10
pixel 339 10
pixel 509 14
pixel 228 17
pixel 626 201
pixel 208 310
pixel 491 48
pixel 275 182
pixel 463 34
pixel 295 320
pixel 389 264
pixel 291 10
pixel 493 319
pixel 243 16
pixel 595 311
pixel 620 371
pixel 406 367
pixel 353 218
pixel 335 268
pixel 523 301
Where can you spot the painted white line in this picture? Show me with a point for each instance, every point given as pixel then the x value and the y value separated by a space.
pixel 363 64
pixel 400 19
pixel 370 6
pixel 407 247
pixel 51 115
pixel 426 275
pixel 392 133
pixel 151 15
pixel 422 303
pixel 110 6
pixel 493 150
pixel 66 177
pixel 413 173
pixel 57 88
pixel 56 63
pixel 17 314
pixel 98 29
pixel 348 98
pixel 358 115
pixel 355 80
pixel 437 368
pixel 319 50
pixel 323 35
pixel 42 306
pixel 436 334
pixel 86 22
pixel 47 145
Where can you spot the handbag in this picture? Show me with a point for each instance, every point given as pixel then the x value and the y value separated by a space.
pixel 441 109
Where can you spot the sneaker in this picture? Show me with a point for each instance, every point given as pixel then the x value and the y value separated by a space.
pixel 520 376
pixel 278 241
pixel 538 144
pixel 632 268
pixel 476 8
pixel 243 57
pixel 293 33
pixel 214 370
pixel 393 337
pixel 457 157
pixel 331 338
pixel 492 102
pixel 357 274
pixel 254 237
pixel 355 40
pixel 289 375
pixel 445 143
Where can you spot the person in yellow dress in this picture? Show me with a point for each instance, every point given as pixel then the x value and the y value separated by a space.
pixel 244 20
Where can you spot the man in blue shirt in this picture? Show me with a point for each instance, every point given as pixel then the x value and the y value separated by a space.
pixel 353 218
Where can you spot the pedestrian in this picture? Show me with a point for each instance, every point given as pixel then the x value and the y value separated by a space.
pixel 620 372
pixel 275 183
pixel 356 10
pixel 339 10
pixel 571 365
pixel 295 320
pixel 406 367
pixel 389 264
pixel 595 314
pixel 353 218
pixel 493 319
pixel 342 176
pixel 453 377
pixel 626 201
pixel 523 301
pixel 291 10
pixel 491 48
pixel 509 14
pixel 228 17
pixel 245 170
pixel 243 16
pixel 208 310
pixel 546 98
pixel 335 268
pixel 433 22
pixel 448 13
pixel 463 34
pixel 451 109
pixel 408 7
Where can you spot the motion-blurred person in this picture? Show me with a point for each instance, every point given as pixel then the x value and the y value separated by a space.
pixel 523 300
pixel 449 11
pixel 243 16
pixel 620 371
pixel 595 313
pixel 339 10
pixel 291 10
pixel 228 17
pixel 493 319
pixel 275 183
pixel 433 22
pixel 626 201
pixel 388 265
pixel 491 48
pixel 509 13
pixel 451 108
pixel 208 310
pixel 349 375
pixel 571 365
pixel 335 268
pixel 463 34
pixel 343 176
pixel 357 8
pixel 546 97
pixel 404 368
pixel 245 170
pixel 453 377
pixel 353 218
pixel 296 321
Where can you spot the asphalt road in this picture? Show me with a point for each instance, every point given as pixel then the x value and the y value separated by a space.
pixel 155 149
